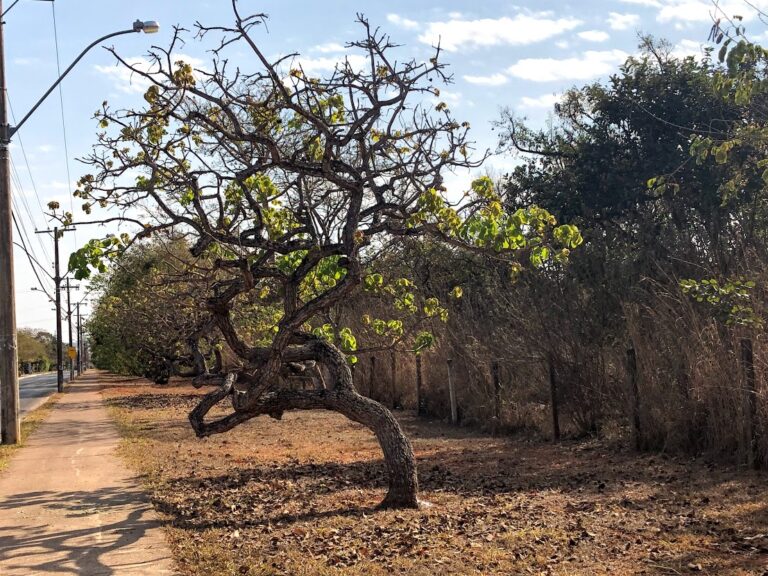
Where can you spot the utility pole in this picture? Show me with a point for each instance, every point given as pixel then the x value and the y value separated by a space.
pixel 9 359
pixel 57 280
pixel 82 366
pixel 69 322
pixel 79 343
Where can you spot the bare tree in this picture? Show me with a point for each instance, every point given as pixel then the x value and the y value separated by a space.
pixel 288 184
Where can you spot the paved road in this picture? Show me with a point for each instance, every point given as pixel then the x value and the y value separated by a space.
pixel 35 389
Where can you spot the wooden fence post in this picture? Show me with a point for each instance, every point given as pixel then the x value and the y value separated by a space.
pixel 393 383
pixel 496 395
pixel 420 408
pixel 554 400
pixel 634 398
pixel 452 396
pixel 748 364
pixel 371 376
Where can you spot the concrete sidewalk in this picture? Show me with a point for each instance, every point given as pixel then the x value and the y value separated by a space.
pixel 68 504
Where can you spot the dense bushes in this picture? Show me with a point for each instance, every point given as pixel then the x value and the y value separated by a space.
pixel 623 162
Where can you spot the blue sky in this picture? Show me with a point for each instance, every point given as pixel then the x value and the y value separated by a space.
pixel 519 55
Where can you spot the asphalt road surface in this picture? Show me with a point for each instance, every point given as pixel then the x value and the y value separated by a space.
pixel 35 389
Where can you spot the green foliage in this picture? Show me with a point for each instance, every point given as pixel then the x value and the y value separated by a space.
pixel 344 338
pixel 729 300
pixel 36 348
pixel 145 307
pixel 286 198
pixel 95 255
pixel 423 341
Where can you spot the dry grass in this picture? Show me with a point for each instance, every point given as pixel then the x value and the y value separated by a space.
pixel 298 497
pixel 28 425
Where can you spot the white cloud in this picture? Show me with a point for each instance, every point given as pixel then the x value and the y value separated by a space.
pixel 45 148
pixel 328 48
pixel 492 80
pixel 594 35
pixel 649 3
pixel 314 66
pixel 705 10
pixel 589 65
pixel 32 61
pixel 688 48
pixel 453 99
pixel 622 21
pixel 562 44
pixel 401 22
pixel 543 101
pixel 521 30
pixel 126 80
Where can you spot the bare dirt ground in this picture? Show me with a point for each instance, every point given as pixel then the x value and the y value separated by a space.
pixel 298 497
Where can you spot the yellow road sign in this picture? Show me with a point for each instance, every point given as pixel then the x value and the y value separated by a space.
pixel 72 352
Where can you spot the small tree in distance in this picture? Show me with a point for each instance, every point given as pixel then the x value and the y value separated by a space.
pixel 285 187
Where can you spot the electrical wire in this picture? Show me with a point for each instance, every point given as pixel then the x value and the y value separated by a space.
pixel 16 180
pixel 31 177
pixel 23 232
pixel 32 260
pixel 61 105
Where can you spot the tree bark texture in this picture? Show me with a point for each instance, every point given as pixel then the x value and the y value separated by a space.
pixel 399 459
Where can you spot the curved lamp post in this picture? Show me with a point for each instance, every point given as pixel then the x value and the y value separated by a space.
pixel 9 377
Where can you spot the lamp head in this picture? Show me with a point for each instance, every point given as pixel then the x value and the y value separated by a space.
pixel 147 26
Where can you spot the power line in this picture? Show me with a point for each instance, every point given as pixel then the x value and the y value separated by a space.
pixel 16 178
pixel 61 105
pixel 24 153
pixel 22 229
pixel 31 177
pixel 32 261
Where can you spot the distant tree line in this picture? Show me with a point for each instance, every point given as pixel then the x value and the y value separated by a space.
pixel 37 350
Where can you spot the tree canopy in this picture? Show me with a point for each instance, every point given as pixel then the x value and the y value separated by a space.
pixel 286 187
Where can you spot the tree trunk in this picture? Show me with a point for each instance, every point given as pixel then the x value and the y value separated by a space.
pixel 399 459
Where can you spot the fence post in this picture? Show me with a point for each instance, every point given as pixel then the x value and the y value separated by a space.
pixel 420 411
pixel 371 376
pixel 496 396
pixel 634 398
pixel 452 395
pixel 393 383
pixel 554 400
pixel 748 364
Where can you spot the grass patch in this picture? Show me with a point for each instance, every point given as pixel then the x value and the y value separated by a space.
pixel 298 497
pixel 29 424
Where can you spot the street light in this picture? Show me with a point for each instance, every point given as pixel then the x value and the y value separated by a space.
pixel 9 377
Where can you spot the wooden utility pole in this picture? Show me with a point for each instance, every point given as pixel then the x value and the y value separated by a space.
pixel 79 342
pixel 452 395
pixel 69 323
pixel 57 281
pixel 9 359
pixel 9 371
